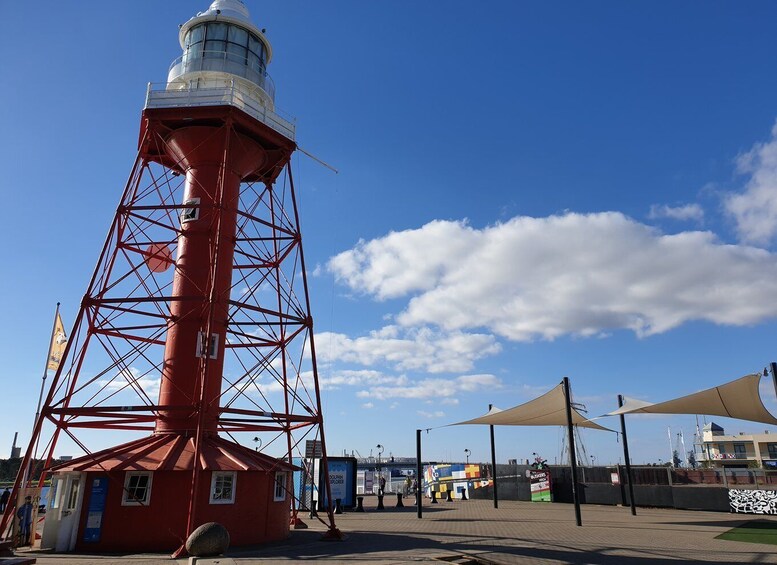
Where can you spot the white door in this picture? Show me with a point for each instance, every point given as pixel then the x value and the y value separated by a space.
pixel 53 512
pixel 73 494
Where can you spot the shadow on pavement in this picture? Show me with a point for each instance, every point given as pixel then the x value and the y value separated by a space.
pixel 307 545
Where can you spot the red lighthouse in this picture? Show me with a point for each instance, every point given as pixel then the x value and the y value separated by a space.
pixel 195 334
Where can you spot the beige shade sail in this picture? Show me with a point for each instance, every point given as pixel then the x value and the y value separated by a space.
pixel 547 410
pixel 737 399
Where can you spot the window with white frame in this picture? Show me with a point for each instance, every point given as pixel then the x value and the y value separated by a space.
pixel 280 486
pixel 222 487
pixel 137 488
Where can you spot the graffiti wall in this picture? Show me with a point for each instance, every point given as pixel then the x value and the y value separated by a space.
pixel 753 501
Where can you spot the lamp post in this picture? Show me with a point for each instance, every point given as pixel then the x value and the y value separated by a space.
pixel 467 452
pixel 380 451
pixel 593 460
pixel 258 442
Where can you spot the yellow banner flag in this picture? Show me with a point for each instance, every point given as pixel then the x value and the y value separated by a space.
pixel 58 342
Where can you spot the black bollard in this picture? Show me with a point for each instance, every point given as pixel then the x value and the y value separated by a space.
pixel 399 500
pixel 434 497
pixel 338 506
pixel 359 504
pixel 448 496
pixel 464 494
pixel 313 513
pixel 380 503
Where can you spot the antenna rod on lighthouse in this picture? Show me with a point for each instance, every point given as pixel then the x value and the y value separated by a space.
pixel 317 160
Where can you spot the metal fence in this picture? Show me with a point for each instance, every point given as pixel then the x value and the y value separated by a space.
pixel 651 476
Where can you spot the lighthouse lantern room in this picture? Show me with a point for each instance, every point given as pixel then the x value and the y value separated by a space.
pixel 194 338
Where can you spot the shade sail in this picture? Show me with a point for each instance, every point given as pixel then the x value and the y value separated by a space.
pixel 737 399
pixel 546 410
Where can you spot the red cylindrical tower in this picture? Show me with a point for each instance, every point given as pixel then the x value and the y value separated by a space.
pixel 195 328
pixel 196 334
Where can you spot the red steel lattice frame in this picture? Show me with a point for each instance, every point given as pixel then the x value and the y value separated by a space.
pixel 113 363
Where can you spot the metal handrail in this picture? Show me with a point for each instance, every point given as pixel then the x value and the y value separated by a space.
pixel 166 95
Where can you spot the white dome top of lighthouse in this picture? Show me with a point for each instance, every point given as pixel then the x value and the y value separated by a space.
pixel 228 11
pixel 231 8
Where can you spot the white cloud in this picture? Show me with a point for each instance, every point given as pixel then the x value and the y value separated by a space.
pixel 403 262
pixel 341 378
pixel 435 414
pixel 433 388
pixel 692 212
pixel 571 274
pixel 124 381
pixel 368 405
pixel 755 209
pixel 408 349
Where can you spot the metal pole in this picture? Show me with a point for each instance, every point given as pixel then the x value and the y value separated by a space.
pixel 572 450
pixel 493 461
pixel 46 366
pixel 629 477
pixel 773 367
pixel 418 475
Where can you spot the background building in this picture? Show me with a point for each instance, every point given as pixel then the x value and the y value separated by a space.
pixel 737 451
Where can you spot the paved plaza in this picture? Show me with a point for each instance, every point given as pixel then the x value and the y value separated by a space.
pixel 477 533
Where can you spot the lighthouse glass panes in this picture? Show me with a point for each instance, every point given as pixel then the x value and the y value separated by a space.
pixel 216 46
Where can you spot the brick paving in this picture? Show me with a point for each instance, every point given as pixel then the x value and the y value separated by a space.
pixel 517 532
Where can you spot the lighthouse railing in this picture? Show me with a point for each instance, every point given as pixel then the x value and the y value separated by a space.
pixel 159 95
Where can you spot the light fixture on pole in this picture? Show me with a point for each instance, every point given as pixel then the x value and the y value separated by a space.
pixel 467 452
pixel 258 442
pixel 380 451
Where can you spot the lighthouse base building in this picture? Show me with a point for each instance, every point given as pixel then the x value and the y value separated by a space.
pixel 128 498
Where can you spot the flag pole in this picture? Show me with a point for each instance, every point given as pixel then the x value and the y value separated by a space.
pixel 42 387
pixel 46 366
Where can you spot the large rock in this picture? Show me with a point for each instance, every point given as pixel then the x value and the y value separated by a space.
pixel 208 540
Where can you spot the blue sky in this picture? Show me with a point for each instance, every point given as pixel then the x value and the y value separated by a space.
pixel 526 191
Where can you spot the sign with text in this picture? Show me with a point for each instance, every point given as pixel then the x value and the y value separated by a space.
pixel 342 481
pixel 539 484
pixel 312 449
pixel 94 516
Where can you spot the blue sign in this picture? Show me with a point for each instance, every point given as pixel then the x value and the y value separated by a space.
pixel 94 517
pixel 342 481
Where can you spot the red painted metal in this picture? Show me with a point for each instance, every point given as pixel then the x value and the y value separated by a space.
pixel 210 196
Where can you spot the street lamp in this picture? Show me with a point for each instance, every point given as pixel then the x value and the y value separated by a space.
pixel 593 460
pixel 467 452
pixel 380 451
pixel 258 443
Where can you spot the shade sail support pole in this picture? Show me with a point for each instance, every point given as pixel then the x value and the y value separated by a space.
pixel 629 476
pixel 493 460
pixel 572 450
pixel 418 476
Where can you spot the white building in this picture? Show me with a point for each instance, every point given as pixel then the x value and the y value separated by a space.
pixel 737 451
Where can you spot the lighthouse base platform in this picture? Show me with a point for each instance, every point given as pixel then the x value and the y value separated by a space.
pixel 139 497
